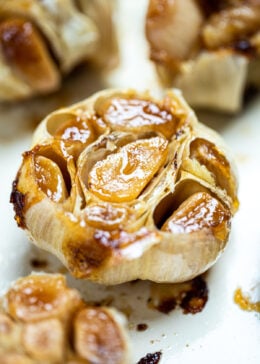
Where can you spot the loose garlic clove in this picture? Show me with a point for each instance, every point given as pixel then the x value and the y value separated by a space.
pixel 131 192
pixel 43 320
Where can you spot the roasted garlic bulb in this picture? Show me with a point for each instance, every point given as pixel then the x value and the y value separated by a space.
pixel 42 321
pixel 124 186
pixel 208 49
pixel 41 41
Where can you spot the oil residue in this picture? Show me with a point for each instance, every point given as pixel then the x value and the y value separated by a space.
pixel 191 296
pixel 244 302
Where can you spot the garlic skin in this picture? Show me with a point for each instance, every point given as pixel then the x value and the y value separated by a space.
pixel 42 320
pixel 123 186
pixel 197 45
pixel 43 41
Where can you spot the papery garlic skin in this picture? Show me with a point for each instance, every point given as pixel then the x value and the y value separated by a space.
pixel 140 189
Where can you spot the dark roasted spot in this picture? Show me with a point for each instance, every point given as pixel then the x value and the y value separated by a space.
pixel 151 358
pixel 250 93
pixel 175 163
pixel 84 256
pixel 190 296
pixel 18 200
pixel 166 305
pixel 135 281
pixel 38 263
pixel 141 327
pixel 179 133
pixel 245 47
pixel 196 298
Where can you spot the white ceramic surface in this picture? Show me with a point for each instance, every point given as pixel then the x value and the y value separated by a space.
pixel 222 332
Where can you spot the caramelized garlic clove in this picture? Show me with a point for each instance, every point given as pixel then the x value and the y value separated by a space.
pixel 198 212
pixel 45 340
pixel 39 297
pixel 50 179
pixel 138 115
pixel 208 155
pixel 105 216
pixel 97 338
pixel 25 50
pixel 122 176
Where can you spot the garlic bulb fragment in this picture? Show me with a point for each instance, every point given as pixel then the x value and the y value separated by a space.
pixel 123 186
pixel 44 321
pixel 42 41
pixel 198 45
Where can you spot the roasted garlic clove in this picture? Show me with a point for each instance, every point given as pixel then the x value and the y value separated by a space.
pixel 197 45
pixel 122 186
pixel 43 320
pixel 41 42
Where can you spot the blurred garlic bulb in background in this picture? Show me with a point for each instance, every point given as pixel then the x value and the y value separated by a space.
pixel 208 49
pixel 42 41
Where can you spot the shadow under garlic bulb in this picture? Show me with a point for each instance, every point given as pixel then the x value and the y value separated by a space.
pixel 42 41
pixel 123 186
pixel 197 45
pixel 44 321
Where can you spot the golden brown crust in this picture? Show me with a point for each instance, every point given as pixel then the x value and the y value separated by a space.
pixel 101 203
pixel 43 320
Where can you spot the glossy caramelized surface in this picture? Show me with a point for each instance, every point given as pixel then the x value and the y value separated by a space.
pixel 26 51
pixel 45 321
pixel 198 212
pixel 123 175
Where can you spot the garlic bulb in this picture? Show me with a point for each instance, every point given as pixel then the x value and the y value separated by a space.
pixel 42 41
pixel 44 321
pixel 123 186
pixel 198 45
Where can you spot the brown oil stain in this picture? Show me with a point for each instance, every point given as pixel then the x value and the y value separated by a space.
pixel 190 296
pixel 244 302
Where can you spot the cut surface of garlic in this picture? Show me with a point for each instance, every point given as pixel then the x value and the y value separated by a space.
pixel 198 45
pixel 42 320
pixel 124 186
